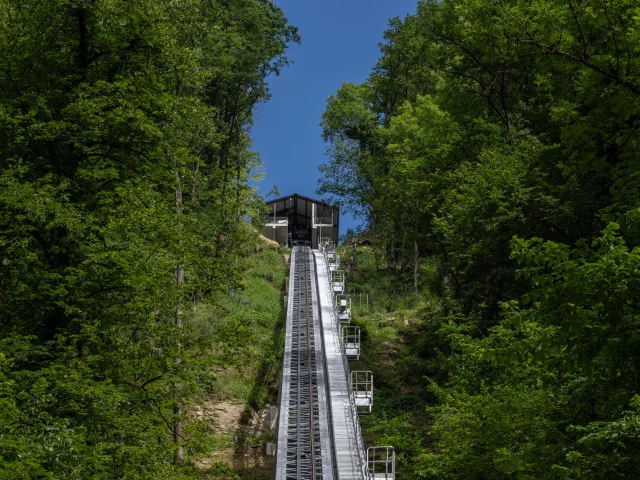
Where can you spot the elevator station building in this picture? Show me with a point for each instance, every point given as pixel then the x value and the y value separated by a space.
pixel 299 220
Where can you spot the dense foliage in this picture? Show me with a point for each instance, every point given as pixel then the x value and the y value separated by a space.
pixel 498 143
pixel 124 170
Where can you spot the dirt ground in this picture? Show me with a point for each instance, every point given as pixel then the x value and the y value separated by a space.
pixel 270 242
pixel 250 431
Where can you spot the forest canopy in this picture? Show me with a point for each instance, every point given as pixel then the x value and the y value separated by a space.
pixel 499 142
pixel 125 164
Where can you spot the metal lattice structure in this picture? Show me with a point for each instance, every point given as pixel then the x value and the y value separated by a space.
pixel 351 341
pixel 323 242
pixel 337 279
pixel 343 307
pixel 362 387
pixel 381 463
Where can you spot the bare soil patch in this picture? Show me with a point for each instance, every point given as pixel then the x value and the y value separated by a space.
pixel 270 242
pixel 249 429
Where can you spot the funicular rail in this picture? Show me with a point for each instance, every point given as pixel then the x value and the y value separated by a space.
pixel 301 430
pixel 319 434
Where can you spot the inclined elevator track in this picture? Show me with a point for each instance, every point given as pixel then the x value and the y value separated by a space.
pixel 318 434
pixel 304 456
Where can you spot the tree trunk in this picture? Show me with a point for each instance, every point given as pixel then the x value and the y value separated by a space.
pixel 177 409
pixel 415 266
pixel 355 254
pixel 393 249
pixel 416 257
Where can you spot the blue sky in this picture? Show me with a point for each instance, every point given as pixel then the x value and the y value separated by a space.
pixel 339 43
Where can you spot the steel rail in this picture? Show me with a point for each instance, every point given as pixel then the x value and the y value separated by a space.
pixel 312 432
pixel 319 432
pixel 303 437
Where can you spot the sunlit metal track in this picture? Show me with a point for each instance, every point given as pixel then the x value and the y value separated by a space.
pixel 319 435
pixel 346 437
pixel 304 450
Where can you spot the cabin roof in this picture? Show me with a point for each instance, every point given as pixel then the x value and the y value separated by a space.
pixel 312 200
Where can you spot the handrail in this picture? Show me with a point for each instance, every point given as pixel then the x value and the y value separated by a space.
pixel 277 220
pixel 352 400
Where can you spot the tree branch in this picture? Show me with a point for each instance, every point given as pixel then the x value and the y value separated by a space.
pixel 585 44
pixel 552 50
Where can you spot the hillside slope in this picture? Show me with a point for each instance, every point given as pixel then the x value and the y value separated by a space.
pixel 246 333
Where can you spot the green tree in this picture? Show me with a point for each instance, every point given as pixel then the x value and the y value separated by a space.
pixel 124 183
pixel 481 123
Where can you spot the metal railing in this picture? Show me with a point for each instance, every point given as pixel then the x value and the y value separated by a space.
pixel 337 281
pixel 351 338
pixel 352 400
pixel 373 464
pixel 343 307
pixel 381 462
pixel 277 220
pixel 362 386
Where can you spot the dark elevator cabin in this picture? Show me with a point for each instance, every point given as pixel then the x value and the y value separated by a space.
pixel 296 219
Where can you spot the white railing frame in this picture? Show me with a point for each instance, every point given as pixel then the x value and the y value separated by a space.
pixel 341 282
pixel 368 384
pixel 372 460
pixel 352 400
pixel 346 335
pixel 278 220
pixel 362 452
pixel 339 297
